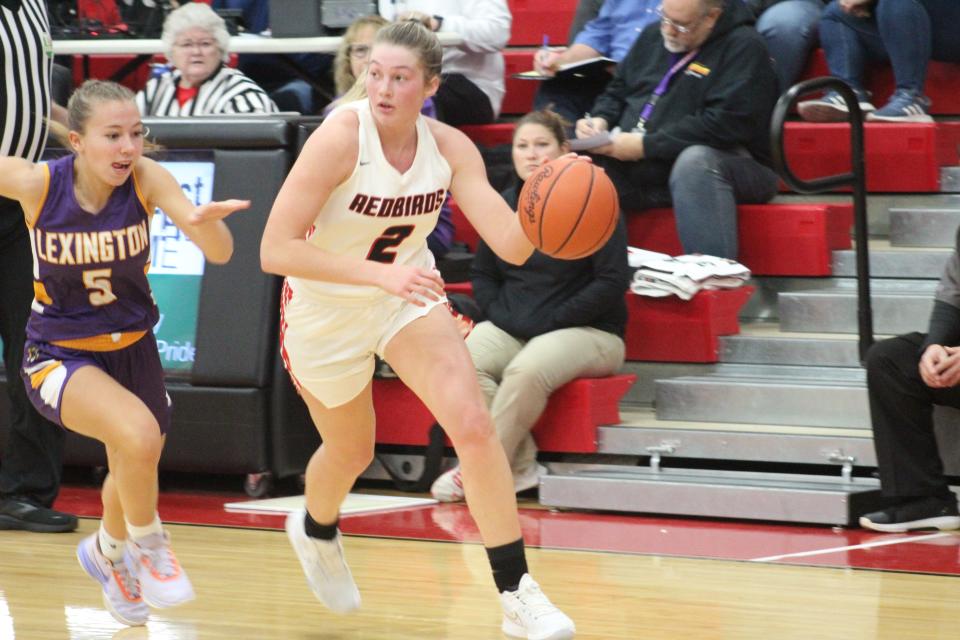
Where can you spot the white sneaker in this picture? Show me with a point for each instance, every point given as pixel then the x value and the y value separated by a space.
pixel 528 613
pixel 448 487
pixel 121 591
pixel 163 582
pixel 323 563
pixel 529 479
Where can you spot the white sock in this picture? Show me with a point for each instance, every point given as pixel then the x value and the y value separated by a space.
pixel 142 532
pixel 110 547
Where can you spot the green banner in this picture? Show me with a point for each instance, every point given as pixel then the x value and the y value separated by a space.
pixel 178 298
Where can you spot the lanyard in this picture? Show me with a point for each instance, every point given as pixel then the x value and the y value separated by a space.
pixel 661 89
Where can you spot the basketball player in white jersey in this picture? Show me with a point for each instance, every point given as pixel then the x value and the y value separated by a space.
pixel 348 230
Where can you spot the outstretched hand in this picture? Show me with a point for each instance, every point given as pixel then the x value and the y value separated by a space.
pixel 413 284
pixel 217 210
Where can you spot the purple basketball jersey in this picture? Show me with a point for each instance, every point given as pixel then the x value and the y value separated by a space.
pixel 89 270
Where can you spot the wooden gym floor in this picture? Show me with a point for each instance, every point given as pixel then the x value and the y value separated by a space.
pixel 422 575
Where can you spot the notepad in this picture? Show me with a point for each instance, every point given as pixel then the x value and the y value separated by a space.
pixel 579 69
pixel 600 139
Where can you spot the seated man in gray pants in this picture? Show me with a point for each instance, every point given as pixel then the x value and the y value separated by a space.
pixel 693 99
pixel 906 377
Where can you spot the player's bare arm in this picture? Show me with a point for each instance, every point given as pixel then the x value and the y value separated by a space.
pixel 25 182
pixel 203 224
pixel 486 210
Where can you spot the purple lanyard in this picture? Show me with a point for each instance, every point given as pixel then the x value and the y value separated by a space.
pixel 661 89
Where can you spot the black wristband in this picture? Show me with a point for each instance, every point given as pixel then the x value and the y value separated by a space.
pixel 439 20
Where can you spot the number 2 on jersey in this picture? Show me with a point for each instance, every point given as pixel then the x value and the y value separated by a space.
pixel 383 248
pixel 101 289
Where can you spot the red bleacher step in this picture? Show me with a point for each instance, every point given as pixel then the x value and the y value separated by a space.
pixel 675 330
pixel 900 157
pixel 532 19
pixel 671 329
pixel 519 93
pixel 775 239
pixel 568 424
pixel 942 87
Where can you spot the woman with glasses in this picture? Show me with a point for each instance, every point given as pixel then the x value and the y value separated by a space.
pixel 199 82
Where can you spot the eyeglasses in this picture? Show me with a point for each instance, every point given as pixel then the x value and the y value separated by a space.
pixel 682 29
pixel 359 51
pixel 203 45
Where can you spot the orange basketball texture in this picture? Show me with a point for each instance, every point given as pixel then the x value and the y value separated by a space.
pixel 568 208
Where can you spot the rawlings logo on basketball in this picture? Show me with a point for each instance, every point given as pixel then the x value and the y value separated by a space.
pixel 568 208
pixel 531 192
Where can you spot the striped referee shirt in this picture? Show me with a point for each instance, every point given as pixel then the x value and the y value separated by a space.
pixel 26 55
pixel 226 91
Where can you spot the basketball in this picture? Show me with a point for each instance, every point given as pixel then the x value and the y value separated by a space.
pixel 568 208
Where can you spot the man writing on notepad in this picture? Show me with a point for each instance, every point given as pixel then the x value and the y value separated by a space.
pixel 692 100
pixel 610 35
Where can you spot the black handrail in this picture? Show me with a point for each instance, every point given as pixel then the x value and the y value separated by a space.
pixel 856 178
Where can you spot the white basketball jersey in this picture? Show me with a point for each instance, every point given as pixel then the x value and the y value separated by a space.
pixel 378 213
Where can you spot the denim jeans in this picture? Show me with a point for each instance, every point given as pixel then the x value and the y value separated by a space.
pixel 706 184
pixel 908 33
pixel 790 29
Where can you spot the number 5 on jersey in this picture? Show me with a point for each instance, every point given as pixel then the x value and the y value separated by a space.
pixel 97 281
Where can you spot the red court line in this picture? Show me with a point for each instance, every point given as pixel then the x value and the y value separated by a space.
pixel 616 533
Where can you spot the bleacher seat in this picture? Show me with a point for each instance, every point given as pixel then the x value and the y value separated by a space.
pixel 775 239
pixel 568 424
pixel 532 19
pixel 104 67
pixel 943 82
pixel 519 97
pixel 675 330
pixel 900 157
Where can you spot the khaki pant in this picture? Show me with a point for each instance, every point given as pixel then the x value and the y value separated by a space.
pixel 518 376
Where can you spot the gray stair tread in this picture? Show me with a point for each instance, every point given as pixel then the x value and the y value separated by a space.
pixel 888 261
pixel 779 375
pixel 846 287
pixel 646 418
pixel 713 477
pixel 767 329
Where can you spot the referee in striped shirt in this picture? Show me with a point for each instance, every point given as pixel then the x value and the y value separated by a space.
pixel 31 462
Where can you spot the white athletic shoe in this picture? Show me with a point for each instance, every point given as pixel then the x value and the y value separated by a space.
pixel 323 563
pixel 121 591
pixel 528 613
pixel 163 582
pixel 529 479
pixel 448 487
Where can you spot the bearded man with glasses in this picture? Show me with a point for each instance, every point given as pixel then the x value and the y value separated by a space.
pixel 688 112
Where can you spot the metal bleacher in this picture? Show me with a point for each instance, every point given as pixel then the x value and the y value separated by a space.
pixel 779 427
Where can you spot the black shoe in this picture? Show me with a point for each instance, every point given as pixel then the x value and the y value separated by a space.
pixel 17 513
pixel 924 513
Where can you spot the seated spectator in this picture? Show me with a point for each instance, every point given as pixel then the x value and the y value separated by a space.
pixel 548 321
pixel 610 34
pixel 790 29
pixel 906 377
pixel 283 76
pixel 692 99
pixel 352 57
pixel 472 84
pixel 199 82
pixel 908 33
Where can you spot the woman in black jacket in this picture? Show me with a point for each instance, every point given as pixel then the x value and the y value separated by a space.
pixel 548 321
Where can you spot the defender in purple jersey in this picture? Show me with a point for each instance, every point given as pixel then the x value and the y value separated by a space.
pixel 90 362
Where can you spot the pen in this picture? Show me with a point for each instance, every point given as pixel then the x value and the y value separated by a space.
pixel 544 53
